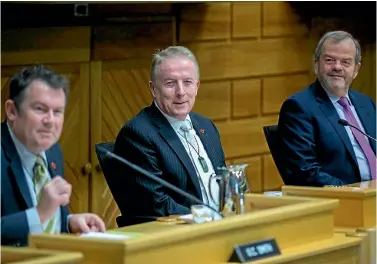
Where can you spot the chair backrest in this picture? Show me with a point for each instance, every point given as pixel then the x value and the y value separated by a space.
pixel 272 137
pixel 105 166
pixel 104 162
pixel 103 158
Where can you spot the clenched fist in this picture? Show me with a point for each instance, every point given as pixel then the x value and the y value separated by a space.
pixel 54 194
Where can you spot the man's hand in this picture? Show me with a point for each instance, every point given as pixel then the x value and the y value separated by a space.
pixel 54 194
pixel 84 223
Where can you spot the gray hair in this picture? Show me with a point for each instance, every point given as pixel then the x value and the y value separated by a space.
pixel 338 36
pixel 171 52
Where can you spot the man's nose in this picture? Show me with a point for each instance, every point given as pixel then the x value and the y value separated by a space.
pixel 180 89
pixel 337 66
pixel 49 117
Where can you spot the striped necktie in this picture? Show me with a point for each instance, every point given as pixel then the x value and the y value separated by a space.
pixel 40 179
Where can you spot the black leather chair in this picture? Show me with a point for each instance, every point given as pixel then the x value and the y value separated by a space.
pixel 104 162
pixel 102 157
pixel 272 137
pixel 105 166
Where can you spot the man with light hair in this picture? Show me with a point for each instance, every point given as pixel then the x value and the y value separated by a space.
pixel 318 147
pixel 168 140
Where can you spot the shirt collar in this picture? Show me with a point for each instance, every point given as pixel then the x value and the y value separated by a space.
pixel 27 158
pixel 334 98
pixel 175 123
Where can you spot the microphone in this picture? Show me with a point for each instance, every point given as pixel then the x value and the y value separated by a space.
pixel 159 180
pixel 346 123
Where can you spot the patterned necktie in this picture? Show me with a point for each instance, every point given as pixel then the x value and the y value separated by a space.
pixel 360 138
pixel 186 127
pixel 40 179
pixel 199 162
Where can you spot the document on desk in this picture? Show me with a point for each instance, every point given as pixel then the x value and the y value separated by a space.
pixel 111 236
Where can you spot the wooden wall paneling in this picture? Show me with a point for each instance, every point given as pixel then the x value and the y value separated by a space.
pixel 131 41
pixel 241 138
pixel 213 100
pixel 277 89
pixel 45 45
pixel 74 139
pixel 246 19
pixel 101 200
pixel 250 58
pixel 246 98
pixel 119 91
pixel 205 21
pixel 280 20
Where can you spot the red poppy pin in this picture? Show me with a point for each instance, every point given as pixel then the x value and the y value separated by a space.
pixel 201 131
pixel 53 165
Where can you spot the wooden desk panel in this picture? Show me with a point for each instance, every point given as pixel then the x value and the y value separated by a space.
pixel 357 205
pixel 303 228
pixel 24 255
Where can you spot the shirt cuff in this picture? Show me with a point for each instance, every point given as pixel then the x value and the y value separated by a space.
pixel 69 218
pixel 33 220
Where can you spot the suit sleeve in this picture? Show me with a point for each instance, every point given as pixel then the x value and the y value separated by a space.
pixel 299 157
pixel 14 228
pixel 148 196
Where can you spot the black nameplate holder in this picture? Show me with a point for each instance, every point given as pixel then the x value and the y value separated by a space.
pixel 255 250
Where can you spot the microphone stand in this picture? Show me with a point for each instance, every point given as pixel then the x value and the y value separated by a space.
pixel 159 180
pixel 346 123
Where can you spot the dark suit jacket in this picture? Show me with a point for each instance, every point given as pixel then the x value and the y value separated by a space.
pixel 316 150
pixel 15 194
pixel 149 141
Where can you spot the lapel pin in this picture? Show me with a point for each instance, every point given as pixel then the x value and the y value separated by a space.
pixel 53 165
pixel 201 131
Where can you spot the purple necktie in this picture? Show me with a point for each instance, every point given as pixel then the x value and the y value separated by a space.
pixel 360 138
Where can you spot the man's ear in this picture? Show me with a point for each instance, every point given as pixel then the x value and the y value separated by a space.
pixel 197 87
pixel 315 67
pixel 10 110
pixel 356 71
pixel 152 87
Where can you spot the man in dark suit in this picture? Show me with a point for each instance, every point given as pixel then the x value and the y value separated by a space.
pixel 168 140
pixel 316 149
pixel 34 194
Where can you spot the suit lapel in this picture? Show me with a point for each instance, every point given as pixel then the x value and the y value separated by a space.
pixel 364 116
pixel 170 136
pixel 51 164
pixel 15 164
pixel 331 114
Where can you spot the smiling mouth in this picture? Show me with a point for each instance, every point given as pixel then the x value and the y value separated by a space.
pixel 180 103
pixel 45 132
pixel 336 76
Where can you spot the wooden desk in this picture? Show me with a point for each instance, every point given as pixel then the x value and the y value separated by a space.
pixel 23 255
pixel 302 227
pixel 357 205
pixel 152 227
pixel 356 214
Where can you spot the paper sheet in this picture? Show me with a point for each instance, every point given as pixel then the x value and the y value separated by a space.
pixel 105 236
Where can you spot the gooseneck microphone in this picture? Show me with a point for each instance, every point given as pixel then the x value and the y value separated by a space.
pixel 159 180
pixel 346 123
